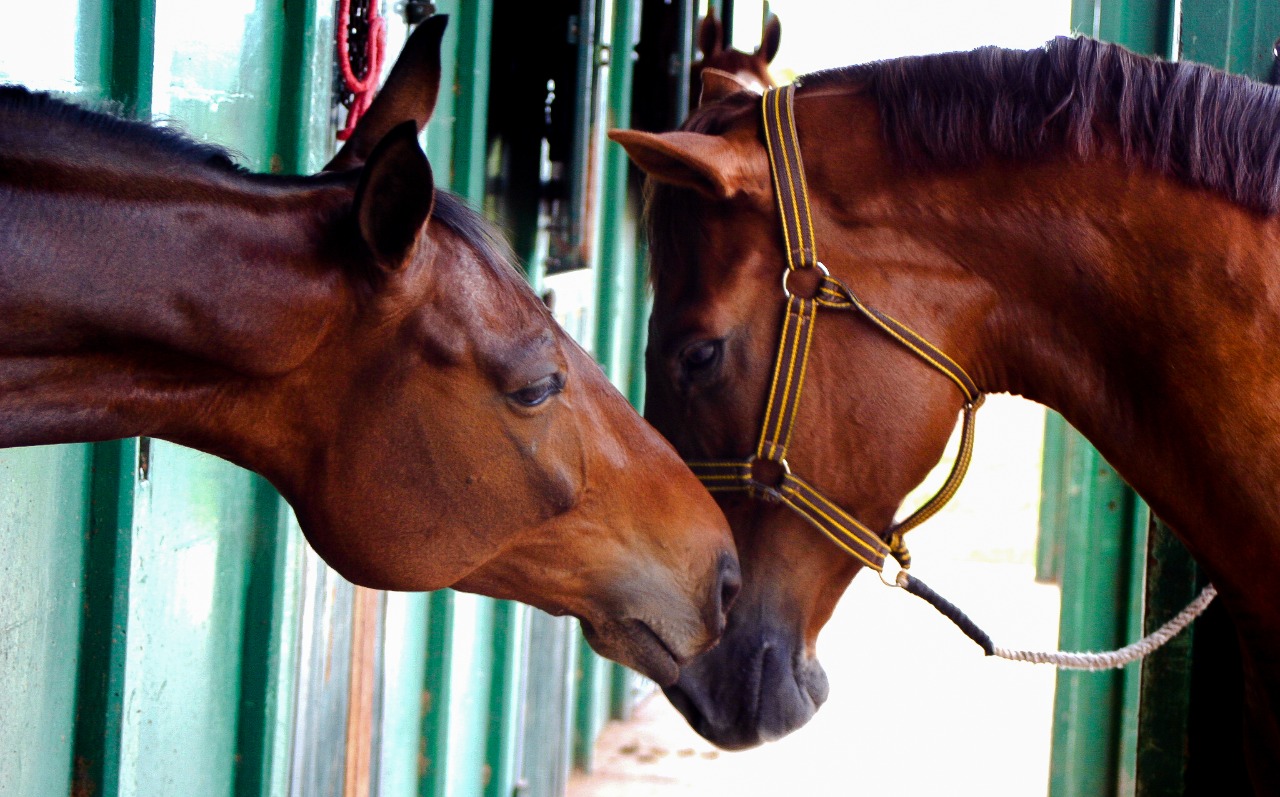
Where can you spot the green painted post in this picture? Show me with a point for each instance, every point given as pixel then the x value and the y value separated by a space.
pixel 470 101
pixel 1053 501
pixel 616 284
pixel 1236 36
pixel 1164 714
pixel 132 54
pixel 1095 588
pixel 511 650
pixel 105 621
pixel 269 655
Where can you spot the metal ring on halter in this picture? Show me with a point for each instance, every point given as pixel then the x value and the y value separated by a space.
pixel 897 574
pixel 787 273
pixel 768 489
pixel 786 468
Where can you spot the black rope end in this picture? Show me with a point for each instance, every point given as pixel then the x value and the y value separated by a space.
pixel 952 612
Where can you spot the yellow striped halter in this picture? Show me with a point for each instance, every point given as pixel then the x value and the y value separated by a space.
pixel 808 286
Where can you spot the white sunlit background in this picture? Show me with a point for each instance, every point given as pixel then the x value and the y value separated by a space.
pixel 946 720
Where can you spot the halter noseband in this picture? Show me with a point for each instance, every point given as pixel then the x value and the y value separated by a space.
pixel 808 285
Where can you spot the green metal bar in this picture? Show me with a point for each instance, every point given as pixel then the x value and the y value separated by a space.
pixel 1095 590
pixel 296 85
pixel 1144 26
pixel 1131 684
pixel 435 705
pixel 592 705
pixel 1053 501
pixel 105 621
pixel 1165 708
pixel 510 639
pixel 616 278
pixel 133 50
pixel 1235 36
pixel 471 107
pixel 459 679
pixel 269 656
pixel 400 733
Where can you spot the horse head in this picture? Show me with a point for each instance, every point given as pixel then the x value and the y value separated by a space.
pixel 724 70
pixel 718 256
pixel 502 459
pixel 362 340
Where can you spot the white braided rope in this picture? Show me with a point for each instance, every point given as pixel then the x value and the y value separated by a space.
pixel 1115 658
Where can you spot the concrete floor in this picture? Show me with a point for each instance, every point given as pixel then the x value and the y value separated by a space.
pixel 954 723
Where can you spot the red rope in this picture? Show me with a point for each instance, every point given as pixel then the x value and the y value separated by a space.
pixel 362 89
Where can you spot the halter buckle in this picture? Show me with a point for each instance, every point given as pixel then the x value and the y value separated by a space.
pixel 817 284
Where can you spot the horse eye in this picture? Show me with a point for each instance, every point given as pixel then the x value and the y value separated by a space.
pixel 535 393
pixel 700 356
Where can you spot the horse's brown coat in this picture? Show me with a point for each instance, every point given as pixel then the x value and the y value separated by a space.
pixel 1077 225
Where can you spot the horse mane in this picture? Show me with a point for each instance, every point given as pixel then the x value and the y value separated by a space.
pixel 1205 127
pixel 63 125
pixel 70 130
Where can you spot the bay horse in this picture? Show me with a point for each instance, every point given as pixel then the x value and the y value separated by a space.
pixel 1088 228
pixel 361 339
pixel 734 70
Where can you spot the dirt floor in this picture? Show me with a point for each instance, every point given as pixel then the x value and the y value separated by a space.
pixel 949 721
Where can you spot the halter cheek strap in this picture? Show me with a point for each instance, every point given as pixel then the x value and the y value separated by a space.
pixel 808 286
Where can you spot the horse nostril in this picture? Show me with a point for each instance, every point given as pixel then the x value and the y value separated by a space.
pixel 730 584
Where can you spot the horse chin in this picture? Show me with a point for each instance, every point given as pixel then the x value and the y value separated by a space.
pixel 749 691
pixel 637 645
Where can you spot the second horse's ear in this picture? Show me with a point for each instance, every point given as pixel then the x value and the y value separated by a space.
pixel 409 94
pixel 770 39
pixel 713 166
pixel 395 196
pixel 709 35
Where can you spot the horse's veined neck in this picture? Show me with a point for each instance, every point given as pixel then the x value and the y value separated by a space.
pixel 208 276
pixel 114 313
pixel 1132 304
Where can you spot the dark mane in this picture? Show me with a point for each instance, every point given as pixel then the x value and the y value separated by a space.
pixel 1206 127
pixel 66 124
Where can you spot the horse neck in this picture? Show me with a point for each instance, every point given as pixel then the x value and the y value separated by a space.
pixel 1137 307
pixel 131 309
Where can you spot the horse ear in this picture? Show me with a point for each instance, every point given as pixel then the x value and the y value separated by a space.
pixel 711 165
pixel 770 39
pixel 716 85
pixel 709 35
pixel 409 95
pixel 395 196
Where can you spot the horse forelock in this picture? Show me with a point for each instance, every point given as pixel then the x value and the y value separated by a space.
pixel 490 247
pixel 1209 128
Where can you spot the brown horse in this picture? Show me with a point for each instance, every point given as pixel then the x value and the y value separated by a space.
pixel 734 69
pixel 1082 226
pixel 360 339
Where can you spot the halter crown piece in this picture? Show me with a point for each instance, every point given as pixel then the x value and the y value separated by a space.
pixel 808 286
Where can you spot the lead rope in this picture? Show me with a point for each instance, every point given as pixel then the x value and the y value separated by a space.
pixel 1064 660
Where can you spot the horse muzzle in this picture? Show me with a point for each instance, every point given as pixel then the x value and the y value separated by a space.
pixel 661 632
pixel 753 688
